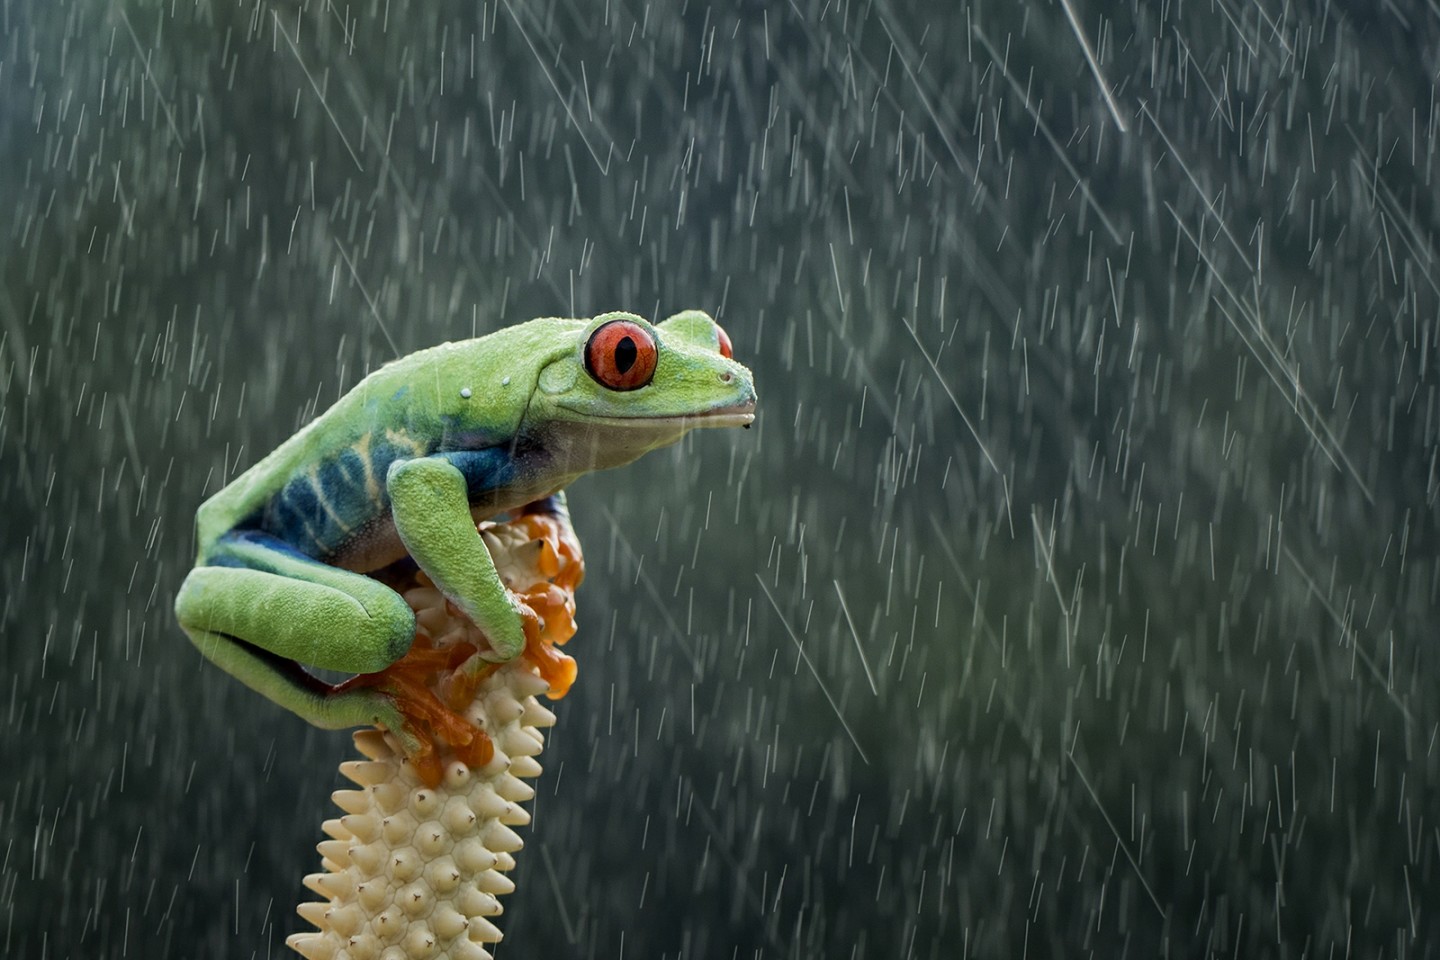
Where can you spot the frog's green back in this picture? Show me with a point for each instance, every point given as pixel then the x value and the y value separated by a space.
pixel 468 394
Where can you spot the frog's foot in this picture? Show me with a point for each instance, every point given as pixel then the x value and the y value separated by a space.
pixel 426 721
pixel 465 681
pixel 548 617
pixel 439 678
pixel 556 606
pixel 437 616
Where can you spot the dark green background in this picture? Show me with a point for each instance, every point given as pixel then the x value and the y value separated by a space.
pixel 1121 448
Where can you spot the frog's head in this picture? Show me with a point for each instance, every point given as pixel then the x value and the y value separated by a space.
pixel 626 386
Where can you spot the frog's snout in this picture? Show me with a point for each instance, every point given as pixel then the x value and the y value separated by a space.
pixel 747 398
pixel 739 412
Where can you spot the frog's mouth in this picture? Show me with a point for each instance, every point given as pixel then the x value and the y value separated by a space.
pixel 590 442
pixel 734 415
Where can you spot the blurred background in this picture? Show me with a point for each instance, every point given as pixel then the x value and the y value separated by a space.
pixel 1074 595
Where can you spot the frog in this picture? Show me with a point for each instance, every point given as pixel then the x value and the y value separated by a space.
pixel 297 556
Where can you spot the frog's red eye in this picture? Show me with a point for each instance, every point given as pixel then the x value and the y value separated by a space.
pixel 621 355
pixel 726 350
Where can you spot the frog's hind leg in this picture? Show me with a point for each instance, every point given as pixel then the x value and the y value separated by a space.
pixel 261 608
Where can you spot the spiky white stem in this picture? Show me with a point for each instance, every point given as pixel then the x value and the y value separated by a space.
pixel 415 872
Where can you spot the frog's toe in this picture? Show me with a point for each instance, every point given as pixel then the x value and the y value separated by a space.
pixel 407 707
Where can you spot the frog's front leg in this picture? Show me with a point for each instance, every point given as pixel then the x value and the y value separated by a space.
pixel 430 504
pixel 259 609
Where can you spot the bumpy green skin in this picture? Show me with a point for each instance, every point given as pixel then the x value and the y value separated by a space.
pixel 402 466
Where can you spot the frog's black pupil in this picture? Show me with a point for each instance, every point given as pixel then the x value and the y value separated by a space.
pixel 626 354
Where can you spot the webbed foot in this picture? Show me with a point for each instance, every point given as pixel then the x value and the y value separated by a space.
pixel 426 721
pixel 433 686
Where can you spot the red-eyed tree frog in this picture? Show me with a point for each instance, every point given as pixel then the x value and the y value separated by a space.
pixel 293 554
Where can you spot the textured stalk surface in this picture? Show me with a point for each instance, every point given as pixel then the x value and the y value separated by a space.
pixel 415 869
